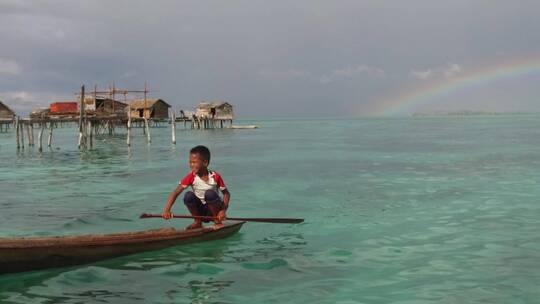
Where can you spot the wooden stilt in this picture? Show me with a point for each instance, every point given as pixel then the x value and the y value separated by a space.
pixel 81 113
pixel 128 140
pixel 29 138
pixel 49 141
pixel 17 127
pixel 32 133
pixel 40 137
pixel 91 141
pixel 173 126
pixel 22 133
pixel 148 137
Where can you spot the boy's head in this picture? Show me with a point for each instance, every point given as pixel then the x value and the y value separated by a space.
pixel 199 158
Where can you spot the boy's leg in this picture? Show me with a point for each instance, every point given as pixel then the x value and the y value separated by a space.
pixel 194 205
pixel 214 203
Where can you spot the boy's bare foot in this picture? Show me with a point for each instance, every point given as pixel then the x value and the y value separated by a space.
pixel 217 225
pixel 194 225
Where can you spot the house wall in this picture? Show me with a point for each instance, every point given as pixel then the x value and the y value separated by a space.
pixel 135 114
pixel 202 112
pixel 5 114
pixel 108 106
pixel 224 113
pixel 161 110
pixel 221 112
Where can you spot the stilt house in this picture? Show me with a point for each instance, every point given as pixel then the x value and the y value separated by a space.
pixel 151 108
pixel 215 110
pixel 102 106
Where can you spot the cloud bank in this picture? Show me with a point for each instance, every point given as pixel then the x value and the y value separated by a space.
pixel 269 58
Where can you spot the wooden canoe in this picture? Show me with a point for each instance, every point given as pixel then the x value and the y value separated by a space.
pixel 34 253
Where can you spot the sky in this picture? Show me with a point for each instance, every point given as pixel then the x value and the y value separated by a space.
pixel 304 58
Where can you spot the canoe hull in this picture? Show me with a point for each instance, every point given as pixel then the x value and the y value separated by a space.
pixel 27 254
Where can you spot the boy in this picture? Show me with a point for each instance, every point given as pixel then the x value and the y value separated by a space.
pixel 204 199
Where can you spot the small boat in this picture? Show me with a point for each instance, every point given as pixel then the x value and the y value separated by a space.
pixel 244 127
pixel 34 253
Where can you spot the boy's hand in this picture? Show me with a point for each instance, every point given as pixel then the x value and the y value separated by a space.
pixel 221 216
pixel 166 215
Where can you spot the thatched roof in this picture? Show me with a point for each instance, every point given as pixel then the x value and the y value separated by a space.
pixel 209 105
pixel 141 104
pixel 4 109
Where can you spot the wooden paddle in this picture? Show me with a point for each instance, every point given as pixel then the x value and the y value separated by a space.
pixel 244 219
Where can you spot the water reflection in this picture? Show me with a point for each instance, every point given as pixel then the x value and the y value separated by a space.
pixel 185 271
pixel 201 291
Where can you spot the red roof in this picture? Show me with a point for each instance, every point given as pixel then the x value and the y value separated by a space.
pixel 64 107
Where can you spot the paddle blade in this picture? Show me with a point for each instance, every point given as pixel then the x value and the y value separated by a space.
pixel 268 220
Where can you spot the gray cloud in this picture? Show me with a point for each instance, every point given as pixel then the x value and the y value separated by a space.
pixel 9 67
pixel 421 74
pixel 269 58
pixel 349 71
pixel 447 71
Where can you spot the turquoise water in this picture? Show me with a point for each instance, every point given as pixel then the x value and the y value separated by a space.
pixel 411 210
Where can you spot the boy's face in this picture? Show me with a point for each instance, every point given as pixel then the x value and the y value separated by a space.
pixel 196 162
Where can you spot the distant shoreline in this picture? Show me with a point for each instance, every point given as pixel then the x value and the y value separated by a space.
pixel 469 113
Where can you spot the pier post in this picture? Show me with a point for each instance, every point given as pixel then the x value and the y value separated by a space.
pixel 17 127
pixel 91 142
pixel 49 141
pixel 148 137
pixel 21 127
pixel 128 140
pixel 81 126
pixel 40 137
pixel 173 126
pixel 31 127
pixel 27 127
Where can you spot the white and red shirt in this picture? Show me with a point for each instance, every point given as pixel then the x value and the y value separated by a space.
pixel 200 186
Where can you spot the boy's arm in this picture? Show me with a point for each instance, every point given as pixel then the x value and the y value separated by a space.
pixel 170 201
pixel 226 198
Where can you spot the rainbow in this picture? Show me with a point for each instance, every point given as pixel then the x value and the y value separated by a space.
pixel 427 93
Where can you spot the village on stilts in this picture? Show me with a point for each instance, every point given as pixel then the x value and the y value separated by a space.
pixel 98 112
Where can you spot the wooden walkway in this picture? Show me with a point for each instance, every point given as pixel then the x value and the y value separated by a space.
pixel 91 126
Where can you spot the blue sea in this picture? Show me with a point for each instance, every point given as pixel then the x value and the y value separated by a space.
pixel 397 210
